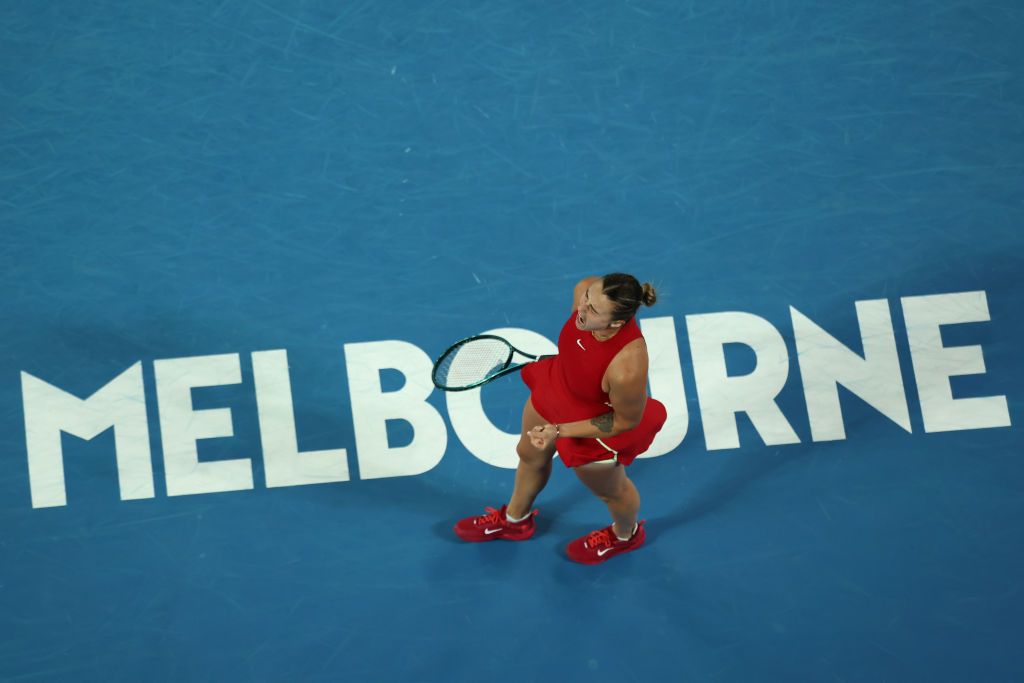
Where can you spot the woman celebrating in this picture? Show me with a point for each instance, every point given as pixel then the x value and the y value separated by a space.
pixel 590 404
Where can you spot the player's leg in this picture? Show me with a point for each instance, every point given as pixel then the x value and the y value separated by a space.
pixel 607 478
pixel 534 467
pixel 531 476
pixel 608 481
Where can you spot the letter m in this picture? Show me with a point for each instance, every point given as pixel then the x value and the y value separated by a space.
pixel 121 404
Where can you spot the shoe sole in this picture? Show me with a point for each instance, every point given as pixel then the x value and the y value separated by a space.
pixel 494 537
pixel 602 560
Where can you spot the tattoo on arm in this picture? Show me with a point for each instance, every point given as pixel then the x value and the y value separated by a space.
pixel 604 422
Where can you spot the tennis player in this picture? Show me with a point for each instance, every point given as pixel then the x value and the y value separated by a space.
pixel 589 403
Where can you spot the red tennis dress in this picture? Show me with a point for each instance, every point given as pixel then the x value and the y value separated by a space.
pixel 567 388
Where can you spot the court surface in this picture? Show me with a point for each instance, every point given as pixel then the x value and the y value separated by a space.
pixel 253 225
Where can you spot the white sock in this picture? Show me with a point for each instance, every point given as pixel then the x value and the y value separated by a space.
pixel 514 520
pixel 635 527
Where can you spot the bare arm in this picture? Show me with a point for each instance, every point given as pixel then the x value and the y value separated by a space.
pixel 628 396
pixel 627 392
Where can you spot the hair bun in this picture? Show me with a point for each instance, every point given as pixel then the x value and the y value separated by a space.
pixel 649 297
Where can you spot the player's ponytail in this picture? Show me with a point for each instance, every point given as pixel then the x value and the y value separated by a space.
pixel 649 297
pixel 626 292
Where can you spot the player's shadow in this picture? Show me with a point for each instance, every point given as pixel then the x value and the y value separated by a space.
pixel 742 469
pixel 728 487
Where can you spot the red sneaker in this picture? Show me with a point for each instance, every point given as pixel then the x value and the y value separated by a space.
pixel 494 526
pixel 603 544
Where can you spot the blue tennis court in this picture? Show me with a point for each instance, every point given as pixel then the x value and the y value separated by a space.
pixel 236 235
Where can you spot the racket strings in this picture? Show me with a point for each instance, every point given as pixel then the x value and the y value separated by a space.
pixel 472 362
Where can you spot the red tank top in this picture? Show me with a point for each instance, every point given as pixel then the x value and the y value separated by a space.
pixel 567 388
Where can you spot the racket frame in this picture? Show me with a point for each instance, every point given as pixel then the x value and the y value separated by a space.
pixel 508 368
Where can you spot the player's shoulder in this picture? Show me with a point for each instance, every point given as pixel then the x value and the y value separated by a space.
pixel 631 360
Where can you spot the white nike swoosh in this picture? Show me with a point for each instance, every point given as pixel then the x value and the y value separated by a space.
pixel 601 553
pixel 492 531
pixel 581 345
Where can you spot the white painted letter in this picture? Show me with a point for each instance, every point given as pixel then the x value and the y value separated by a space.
pixel 666 377
pixel 825 363
pixel 120 404
pixel 934 364
pixel 372 408
pixel 466 410
pixel 181 426
pixel 283 464
pixel 722 396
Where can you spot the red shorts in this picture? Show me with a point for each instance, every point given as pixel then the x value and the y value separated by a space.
pixel 622 448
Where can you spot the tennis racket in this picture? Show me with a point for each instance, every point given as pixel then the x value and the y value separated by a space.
pixel 476 361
